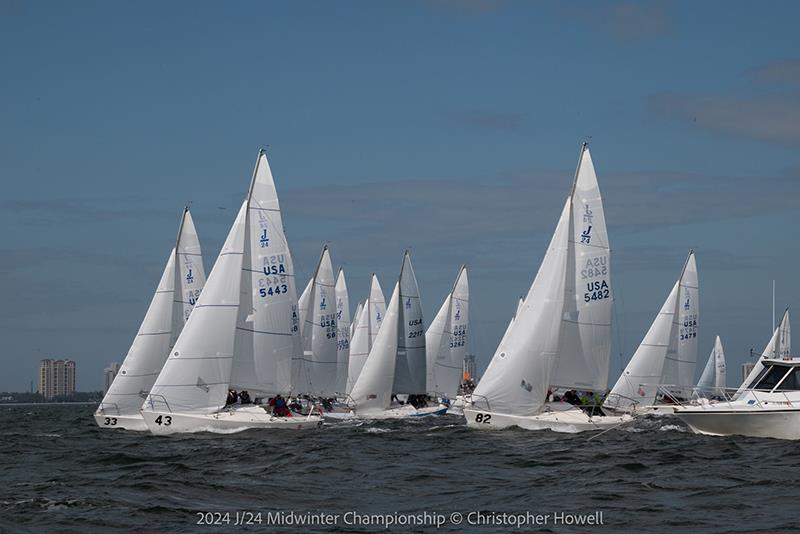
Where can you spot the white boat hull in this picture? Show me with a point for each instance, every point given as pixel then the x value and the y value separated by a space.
pixel 225 422
pixel 126 422
pixel 397 412
pixel 760 423
pixel 570 420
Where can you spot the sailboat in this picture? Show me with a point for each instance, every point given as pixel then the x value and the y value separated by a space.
pixel 243 333
pixel 177 292
pixel 446 342
pixel 713 380
pixel 396 363
pixel 766 405
pixel 561 337
pixel 670 344
pixel 367 325
pixel 343 332
pixel 316 369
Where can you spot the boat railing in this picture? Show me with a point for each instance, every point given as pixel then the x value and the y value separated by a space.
pixel 471 401
pixel 152 398
pixel 104 411
pixel 614 402
pixel 716 396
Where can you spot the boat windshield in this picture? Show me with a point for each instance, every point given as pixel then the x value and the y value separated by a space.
pixel 758 378
pixel 790 383
pixel 770 377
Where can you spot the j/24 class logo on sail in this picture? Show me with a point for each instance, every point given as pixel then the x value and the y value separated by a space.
pixel 597 290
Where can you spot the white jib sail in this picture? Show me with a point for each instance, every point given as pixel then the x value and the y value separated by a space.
pixel 679 366
pixel 446 340
pixel 356 317
pixel 713 376
pixel 585 344
pixel 366 331
pixel 639 382
pixel 372 391
pixel 779 347
pixel 410 373
pixel 196 375
pixel 342 332
pixel 518 376
pixel 302 303
pixel 319 363
pixel 177 292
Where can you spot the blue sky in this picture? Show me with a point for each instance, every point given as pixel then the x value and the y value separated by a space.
pixel 448 127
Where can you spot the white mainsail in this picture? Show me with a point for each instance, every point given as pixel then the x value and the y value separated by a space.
pixel 178 290
pixel 343 332
pixel 639 382
pixel 365 332
pixel 779 347
pixel 268 330
pixel 518 377
pixel 245 327
pixel 318 366
pixel 713 376
pixel 410 371
pixel 446 340
pixel 679 366
pixel 585 344
pixel 372 391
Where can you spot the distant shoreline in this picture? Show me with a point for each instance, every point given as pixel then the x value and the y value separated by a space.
pixel 45 403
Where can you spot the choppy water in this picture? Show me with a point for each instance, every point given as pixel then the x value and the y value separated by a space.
pixel 60 472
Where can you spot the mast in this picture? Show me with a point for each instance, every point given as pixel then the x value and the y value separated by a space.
pixel 261 151
pixel 180 229
pixel 584 146
pixel 773 305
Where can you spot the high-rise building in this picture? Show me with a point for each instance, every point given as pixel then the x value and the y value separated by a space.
pixel 109 373
pixel 56 378
pixel 747 367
